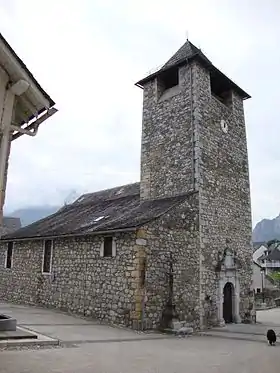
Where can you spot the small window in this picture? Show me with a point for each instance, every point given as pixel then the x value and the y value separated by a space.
pixel 48 244
pixel 221 89
pixel 143 273
pixel 258 290
pixel 169 79
pixel 108 246
pixel 9 255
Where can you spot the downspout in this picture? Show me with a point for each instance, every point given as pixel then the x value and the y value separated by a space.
pixel 8 103
pixel 11 91
pixel 24 131
pixel 32 129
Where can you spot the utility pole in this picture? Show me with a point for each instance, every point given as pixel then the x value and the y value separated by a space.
pixel 262 277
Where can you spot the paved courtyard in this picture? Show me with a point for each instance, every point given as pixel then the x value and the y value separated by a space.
pixel 90 347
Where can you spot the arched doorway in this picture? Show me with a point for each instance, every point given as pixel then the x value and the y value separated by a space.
pixel 228 303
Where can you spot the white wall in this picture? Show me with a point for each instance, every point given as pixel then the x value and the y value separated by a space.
pixel 4 163
pixel 259 252
pixel 3 82
pixel 257 278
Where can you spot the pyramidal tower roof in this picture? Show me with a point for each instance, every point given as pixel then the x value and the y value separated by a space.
pixel 186 54
pixel 187 51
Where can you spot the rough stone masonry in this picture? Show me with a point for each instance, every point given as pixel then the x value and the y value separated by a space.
pixel 188 219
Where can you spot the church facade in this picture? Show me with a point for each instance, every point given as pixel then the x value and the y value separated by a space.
pixel 177 244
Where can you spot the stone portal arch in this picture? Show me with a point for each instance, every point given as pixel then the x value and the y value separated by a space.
pixel 228 290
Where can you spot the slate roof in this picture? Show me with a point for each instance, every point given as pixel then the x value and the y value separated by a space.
pixel 105 211
pixel 273 255
pixel 10 224
pixel 189 52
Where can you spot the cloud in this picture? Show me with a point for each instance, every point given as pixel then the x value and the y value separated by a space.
pixel 87 56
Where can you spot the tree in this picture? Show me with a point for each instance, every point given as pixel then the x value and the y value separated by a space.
pixel 272 242
pixel 275 276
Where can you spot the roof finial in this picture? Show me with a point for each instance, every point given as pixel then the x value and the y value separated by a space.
pixel 187 35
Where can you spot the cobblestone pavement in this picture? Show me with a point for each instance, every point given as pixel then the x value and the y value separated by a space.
pixel 90 347
pixel 269 317
pixel 67 328
pixel 265 320
pixel 191 355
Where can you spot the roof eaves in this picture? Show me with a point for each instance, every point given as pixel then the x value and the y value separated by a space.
pixel 26 70
pixel 205 61
pixel 70 235
pixel 242 93
pixel 163 69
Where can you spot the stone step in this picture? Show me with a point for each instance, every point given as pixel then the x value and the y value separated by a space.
pixel 12 343
pixel 26 338
pixel 17 334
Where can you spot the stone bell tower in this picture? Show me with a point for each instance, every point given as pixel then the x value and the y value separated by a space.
pixel 194 139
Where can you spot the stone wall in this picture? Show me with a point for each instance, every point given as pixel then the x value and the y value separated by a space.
pixel 81 281
pixel 166 139
pixel 174 238
pixel 222 178
pixel 184 148
pixel 127 289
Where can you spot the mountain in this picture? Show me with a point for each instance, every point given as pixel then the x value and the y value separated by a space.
pixel 30 214
pixel 266 230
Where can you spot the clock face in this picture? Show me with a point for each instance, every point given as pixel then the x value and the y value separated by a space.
pixel 224 126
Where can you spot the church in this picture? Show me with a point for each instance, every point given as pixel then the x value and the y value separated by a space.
pixel 175 245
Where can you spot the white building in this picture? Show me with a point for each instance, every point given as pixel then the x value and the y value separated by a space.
pixel 266 259
pixel 259 250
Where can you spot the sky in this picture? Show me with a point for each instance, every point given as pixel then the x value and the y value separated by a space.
pixel 88 54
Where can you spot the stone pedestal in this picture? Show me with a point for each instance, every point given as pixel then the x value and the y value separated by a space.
pixel 7 323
